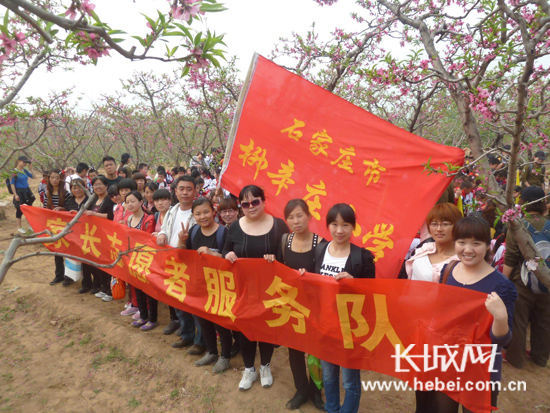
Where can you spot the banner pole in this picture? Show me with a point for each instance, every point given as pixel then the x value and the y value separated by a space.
pixel 237 116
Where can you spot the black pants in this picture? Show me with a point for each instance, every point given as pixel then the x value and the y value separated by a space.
pixel 59 268
pixel 208 332
pixel 87 273
pixel 104 280
pixel 173 315
pixel 144 300
pixel 447 405
pixel 425 401
pixel 248 349
pixel 304 385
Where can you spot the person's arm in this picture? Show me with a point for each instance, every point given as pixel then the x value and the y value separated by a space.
pixel 228 248
pixel 507 271
pixel 29 173
pixel 367 262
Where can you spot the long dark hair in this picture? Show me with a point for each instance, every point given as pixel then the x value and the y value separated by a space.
pixel 60 190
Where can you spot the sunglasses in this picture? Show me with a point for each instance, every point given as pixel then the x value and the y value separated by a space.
pixel 254 203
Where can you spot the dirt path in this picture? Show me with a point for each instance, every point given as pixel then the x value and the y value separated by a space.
pixel 61 351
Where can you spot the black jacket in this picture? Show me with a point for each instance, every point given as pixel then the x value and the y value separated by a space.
pixel 360 263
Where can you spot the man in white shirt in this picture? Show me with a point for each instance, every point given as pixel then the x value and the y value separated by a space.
pixel 180 219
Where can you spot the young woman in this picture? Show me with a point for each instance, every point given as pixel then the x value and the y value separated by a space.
pixel 208 237
pixel 54 199
pixel 228 211
pixel 148 306
pixel 22 193
pixel 253 236
pixel 430 257
pixel 149 204
pixel 162 200
pixel 141 181
pixel 297 250
pixel 103 208
pixel 73 204
pixel 336 259
pixel 472 237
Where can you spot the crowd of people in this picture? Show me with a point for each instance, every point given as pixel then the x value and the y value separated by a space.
pixel 462 243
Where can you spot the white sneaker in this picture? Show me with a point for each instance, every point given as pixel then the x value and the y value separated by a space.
pixel 22 231
pixel 249 377
pixel 265 376
pixel 107 298
pixel 100 294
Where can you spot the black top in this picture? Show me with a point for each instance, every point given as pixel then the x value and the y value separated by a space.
pixel 114 181
pixel 106 207
pixel 210 241
pixel 361 268
pixel 254 246
pixel 72 205
pixel 297 260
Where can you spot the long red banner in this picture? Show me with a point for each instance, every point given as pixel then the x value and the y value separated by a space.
pixel 353 323
pixel 297 140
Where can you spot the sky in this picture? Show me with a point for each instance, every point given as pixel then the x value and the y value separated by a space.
pixel 249 26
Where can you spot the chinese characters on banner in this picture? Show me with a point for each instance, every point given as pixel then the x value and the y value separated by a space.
pixel 296 140
pixel 353 323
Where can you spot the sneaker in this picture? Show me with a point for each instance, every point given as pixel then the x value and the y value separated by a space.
pixel 100 294
pixel 181 343
pixel 129 311
pixel 249 377
pixel 136 316
pixel 94 291
pixel 128 304
pixel 265 376
pixel 196 350
pixel 107 298
pixel 22 231
pixel 149 326
pixel 138 323
pixel 56 281
pixel 171 327
pixel 221 365
pixel 207 359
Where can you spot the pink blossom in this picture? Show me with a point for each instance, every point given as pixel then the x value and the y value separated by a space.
pixel 92 53
pixel 71 13
pixel 187 10
pixel 86 7
pixel 20 38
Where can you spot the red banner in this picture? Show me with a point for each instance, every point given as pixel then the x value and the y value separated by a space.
pixel 353 323
pixel 297 140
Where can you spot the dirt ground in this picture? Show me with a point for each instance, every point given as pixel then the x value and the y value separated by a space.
pixel 65 352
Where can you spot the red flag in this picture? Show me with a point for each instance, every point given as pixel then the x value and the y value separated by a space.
pixel 297 140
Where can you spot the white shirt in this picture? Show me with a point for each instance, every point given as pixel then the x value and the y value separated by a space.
pixel 332 265
pixel 181 217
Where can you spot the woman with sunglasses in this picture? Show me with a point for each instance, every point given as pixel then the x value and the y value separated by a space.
pixel 77 200
pixel 103 208
pixel 255 235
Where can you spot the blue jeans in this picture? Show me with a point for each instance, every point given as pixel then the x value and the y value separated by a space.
pixel 352 387
pixel 188 323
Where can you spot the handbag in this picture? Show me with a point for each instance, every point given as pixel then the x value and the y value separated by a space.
pixel 118 288
pixel 73 269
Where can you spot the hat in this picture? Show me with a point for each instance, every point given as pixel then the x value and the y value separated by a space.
pixel 24 159
pixel 540 155
pixel 532 193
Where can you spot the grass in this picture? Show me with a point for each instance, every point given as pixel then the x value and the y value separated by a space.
pixel 133 402
pixel 69 344
pixel 85 340
pixel 113 355
pixel 174 393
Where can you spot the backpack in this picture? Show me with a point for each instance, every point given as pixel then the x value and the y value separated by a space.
pixel 219 235
pixel 542 242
